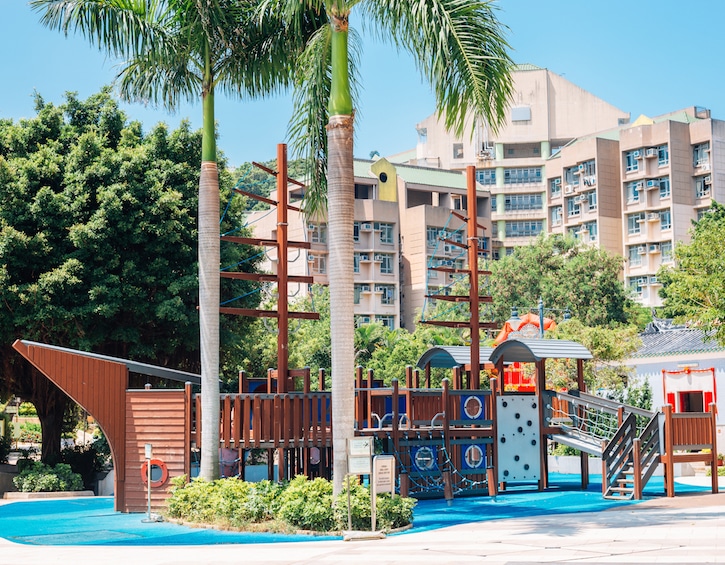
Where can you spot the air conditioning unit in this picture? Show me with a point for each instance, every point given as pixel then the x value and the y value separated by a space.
pixel 364 257
pixel 310 227
pixel 653 183
pixel 365 288
pixel 641 250
pixel 367 226
pixel 568 189
pixel 653 217
pixel 447 248
pixel 448 263
pixel 653 280
pixel 638 185
pixel 310 258
pixel 581 198
pixel 654 248
pixel 557 182
pixel 707 179
pixel 590 180
pixel 580 167
pixel 651 152
pixel 636 154
pixel 443 234
pixel 378 257
pixel 379 288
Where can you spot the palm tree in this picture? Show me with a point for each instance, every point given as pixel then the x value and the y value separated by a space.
pixel 187 49
pixel 460 49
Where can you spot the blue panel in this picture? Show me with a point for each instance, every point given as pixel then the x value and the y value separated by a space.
pixel 473 407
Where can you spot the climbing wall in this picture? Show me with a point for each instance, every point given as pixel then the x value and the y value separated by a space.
pixel 518 437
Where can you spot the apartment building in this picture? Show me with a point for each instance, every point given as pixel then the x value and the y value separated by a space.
pixel 568 162
pixel 402 215
pixel 547 113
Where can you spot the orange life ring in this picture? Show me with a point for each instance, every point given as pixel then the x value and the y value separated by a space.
pixel 154 463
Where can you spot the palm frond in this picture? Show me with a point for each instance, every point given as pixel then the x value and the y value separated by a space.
pixel 123 27
pixel 460 48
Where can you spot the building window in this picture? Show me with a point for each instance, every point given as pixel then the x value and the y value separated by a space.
pixel 664 187
pixel 522 175
pixel 524 229
pixel 361 320
pixel 319 264
pixel 388 293
pixel 663 155
pixel 587 168
pixel 633 189
pixel 637 285
pixel 632 160
pixel 591 198
pixel 386 232
pixel 556 216
pixel 356 263
pixel 364 192
pixel 386 264
pixel 665 219
pixel 387 321
pixel 702 187
pixel 431 236
pixel 666 250
pixel 701 154
pixel 572 207
pixel 486 176
pixel 555 188
pixel 523 202
pixel 571 176
pixel 458 150
pixel 591 228
pixel 634 223
pixel 319 233
pixel 358 294
pixel 634 255
pixel 356 232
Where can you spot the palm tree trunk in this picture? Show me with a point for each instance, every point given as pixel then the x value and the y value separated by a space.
pixel 209 294
pixel 341 204
pixel 340 218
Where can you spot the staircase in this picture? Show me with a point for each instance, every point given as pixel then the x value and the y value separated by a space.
pixel 630 451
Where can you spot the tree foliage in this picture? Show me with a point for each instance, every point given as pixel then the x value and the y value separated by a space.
pixel 694 290
pixel 564 274
pixel 98 242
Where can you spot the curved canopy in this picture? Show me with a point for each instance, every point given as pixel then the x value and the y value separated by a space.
pixel 533 350
pixel 451 356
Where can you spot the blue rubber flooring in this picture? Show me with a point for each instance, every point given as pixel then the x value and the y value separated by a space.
pixel 92 521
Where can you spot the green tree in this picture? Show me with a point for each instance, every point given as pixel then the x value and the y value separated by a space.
pixel 98 243
pixel 175 50
pixel 460 49
pixel 694 290
pixel 566 274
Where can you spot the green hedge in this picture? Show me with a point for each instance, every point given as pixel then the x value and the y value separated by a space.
pixel 42 478
pixel 301 504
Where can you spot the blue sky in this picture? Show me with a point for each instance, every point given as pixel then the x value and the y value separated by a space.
pixel 646 57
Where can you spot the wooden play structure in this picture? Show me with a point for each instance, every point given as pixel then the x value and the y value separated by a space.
pixel 468 436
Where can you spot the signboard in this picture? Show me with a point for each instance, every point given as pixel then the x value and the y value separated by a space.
pixel 359 453
pixel 384 474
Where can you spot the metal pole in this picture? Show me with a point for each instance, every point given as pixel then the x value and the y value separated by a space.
pixel 541 317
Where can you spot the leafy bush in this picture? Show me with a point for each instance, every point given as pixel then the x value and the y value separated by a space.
pixel 27 409
pixel 84 460
pixel 300 504
pixel 6 444
pixel 30 432
pixel 42 478
pixel 308 504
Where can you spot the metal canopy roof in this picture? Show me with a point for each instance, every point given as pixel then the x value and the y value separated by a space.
pixel 451 356
pixel 532 350
pixel 132 366
pixel 512 350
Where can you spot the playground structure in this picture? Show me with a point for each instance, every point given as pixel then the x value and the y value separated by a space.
pixel 453 440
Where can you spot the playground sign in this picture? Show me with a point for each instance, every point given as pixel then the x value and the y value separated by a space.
pixel 359 455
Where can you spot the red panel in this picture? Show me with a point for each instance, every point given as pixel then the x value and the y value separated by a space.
pixel 671 400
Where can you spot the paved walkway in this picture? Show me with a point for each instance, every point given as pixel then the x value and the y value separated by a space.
pixel 689 528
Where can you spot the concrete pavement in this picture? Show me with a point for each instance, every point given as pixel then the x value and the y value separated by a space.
pixel 685 529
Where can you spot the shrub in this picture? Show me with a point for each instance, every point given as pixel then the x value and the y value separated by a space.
pixel 42 478
pixel 300 504
pixel 84 460
pixel 307 504
pixel 30 432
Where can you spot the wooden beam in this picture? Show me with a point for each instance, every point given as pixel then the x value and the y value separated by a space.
pixel 451 324
pixel 267 313
pixel 265 242
pixel 457 298
pixel 265 277
pixel 456 270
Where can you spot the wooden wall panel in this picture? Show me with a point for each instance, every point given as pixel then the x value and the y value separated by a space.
pixel 157 417
pixel 98 386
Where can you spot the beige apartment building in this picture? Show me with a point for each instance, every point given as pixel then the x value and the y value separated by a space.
pixel 567 162
pixel 402 215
